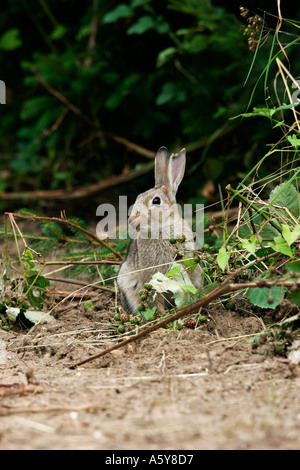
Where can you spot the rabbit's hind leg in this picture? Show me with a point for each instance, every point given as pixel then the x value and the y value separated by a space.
pixel 129 287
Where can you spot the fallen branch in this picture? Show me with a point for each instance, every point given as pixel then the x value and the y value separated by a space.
pixel 79 192
pixel 20 389
pixel 50 409
pixel 187 311
pixel 171 318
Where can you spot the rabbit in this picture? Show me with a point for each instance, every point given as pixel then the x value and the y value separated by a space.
pixel 156 214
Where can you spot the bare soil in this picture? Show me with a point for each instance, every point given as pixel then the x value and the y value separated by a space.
pixel 173 390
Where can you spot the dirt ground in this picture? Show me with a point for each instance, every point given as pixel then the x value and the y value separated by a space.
pixel 173 390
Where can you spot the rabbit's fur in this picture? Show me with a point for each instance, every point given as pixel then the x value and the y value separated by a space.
pixel 156 211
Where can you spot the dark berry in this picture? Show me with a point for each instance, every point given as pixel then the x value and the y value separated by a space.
pixel 124 317
pixel 190 323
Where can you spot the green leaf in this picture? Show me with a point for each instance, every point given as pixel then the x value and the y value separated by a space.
pixel 59 32
pixel 289 236
pixel 170 92
pixel 294 266
pixel 208 288
pixel 259 296
pixel 295 297
pixel 174 270
pixel 265 112
pixel 10 40
pixel 123 89
pixel 294 140
pixel 85 30
pixel 33 107
pixel 28 256
pixel 281 246
pixel 268 232
pixel 137 3
pixel 165 55
pixel 121 11
pixel 189 263
pixel 35 288
pixel 251 247
pixel 190 289
pixel 285 195
pixel 223 257
pixel 144 24
pixel 163 27
pixel 149 314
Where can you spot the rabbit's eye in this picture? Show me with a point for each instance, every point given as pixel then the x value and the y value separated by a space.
pixel 156 200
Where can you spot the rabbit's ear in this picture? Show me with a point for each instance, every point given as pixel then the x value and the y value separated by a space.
pixel 161 161
pixel 175 172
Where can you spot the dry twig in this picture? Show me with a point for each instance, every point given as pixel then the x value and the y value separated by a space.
pixel 21 389
pixel 216 293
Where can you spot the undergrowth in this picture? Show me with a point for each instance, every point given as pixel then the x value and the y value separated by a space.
pixel 254 250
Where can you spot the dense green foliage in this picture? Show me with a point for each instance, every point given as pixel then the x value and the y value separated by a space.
pixel 94 89
pixel 156 73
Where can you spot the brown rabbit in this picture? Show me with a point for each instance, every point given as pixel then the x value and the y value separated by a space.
pixel 156 214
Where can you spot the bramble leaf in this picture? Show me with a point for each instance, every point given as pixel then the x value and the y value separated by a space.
pixel 281 246
pixel 289 236
pixel 223 258
pixel 260 296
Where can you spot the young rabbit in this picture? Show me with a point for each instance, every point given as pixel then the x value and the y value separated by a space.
pixel 156 215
